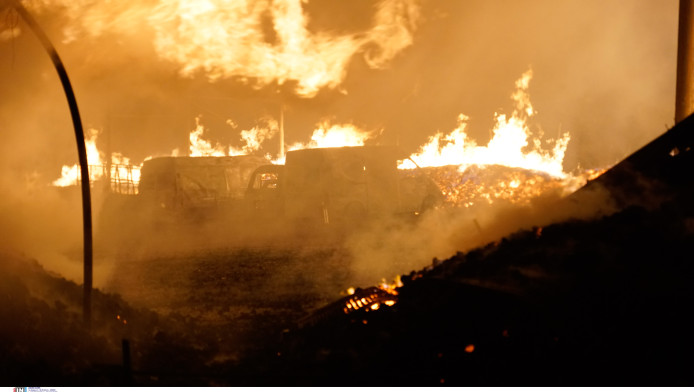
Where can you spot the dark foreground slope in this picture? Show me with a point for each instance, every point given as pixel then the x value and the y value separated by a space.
pixel 44 341
pixel 605 302
pixel 580 303
pixel 602 302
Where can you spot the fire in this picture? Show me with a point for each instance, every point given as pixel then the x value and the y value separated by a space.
pixel 253 139
pixel 506 148
pixel 369 299
pixel 337 135
pixel 199 147
pixel 70 175
pixel 258 42
pixel 514 166
pixel 391 288
pixel 492 183
pixel 123 176
pixel 325 135
pixel 256 136
pixel 340 135
pixel 331 135
pixel 227 39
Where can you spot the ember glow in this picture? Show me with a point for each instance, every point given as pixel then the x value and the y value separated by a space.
pixel 368 300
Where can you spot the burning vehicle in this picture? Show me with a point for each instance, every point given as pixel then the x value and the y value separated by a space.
pixel 195 187
pixel 342 186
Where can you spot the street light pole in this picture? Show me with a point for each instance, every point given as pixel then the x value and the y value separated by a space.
pixel 81 154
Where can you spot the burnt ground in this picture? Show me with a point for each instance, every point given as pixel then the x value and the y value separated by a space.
pixel 603 302
pixel 190 317
pixel 581 303
pixel 247 296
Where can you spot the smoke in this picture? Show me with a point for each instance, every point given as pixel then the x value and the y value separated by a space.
pixel 143 71
pixel 603 71
pixel 257 42
pixel 42 223
pixel 388 248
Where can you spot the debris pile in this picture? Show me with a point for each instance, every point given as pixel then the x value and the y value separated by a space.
pixel 491 184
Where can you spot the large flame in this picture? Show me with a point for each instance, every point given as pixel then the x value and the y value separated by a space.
pixel 325 135
pixel 506 148
pixel 256 41
pixel 199 147
pixel 334 135
pixel 514 166
pixel 123 175
pixel 253 139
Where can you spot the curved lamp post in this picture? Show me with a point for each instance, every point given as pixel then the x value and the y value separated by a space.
pixel 81 153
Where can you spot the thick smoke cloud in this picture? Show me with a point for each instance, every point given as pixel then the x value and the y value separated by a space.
pixel 604 71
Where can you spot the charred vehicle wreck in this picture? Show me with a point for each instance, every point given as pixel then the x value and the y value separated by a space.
pixel 342 186
pixel 196 188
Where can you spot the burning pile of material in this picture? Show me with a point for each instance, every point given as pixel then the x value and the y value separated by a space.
pixel 492 184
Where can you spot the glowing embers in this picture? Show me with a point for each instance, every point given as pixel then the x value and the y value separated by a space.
pixel 492 183
pixel 121 319
pixel 370 299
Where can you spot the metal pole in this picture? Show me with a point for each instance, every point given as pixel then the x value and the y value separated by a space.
pixel 684 99
pixel 81 154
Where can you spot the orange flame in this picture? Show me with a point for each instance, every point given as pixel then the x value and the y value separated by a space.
pixel 121 168
pixel 255 41
pixel 510 138
pixel 253 139
pixel 337 135
pixel 199 147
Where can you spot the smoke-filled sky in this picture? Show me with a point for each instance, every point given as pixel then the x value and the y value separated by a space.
pixel 603 70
